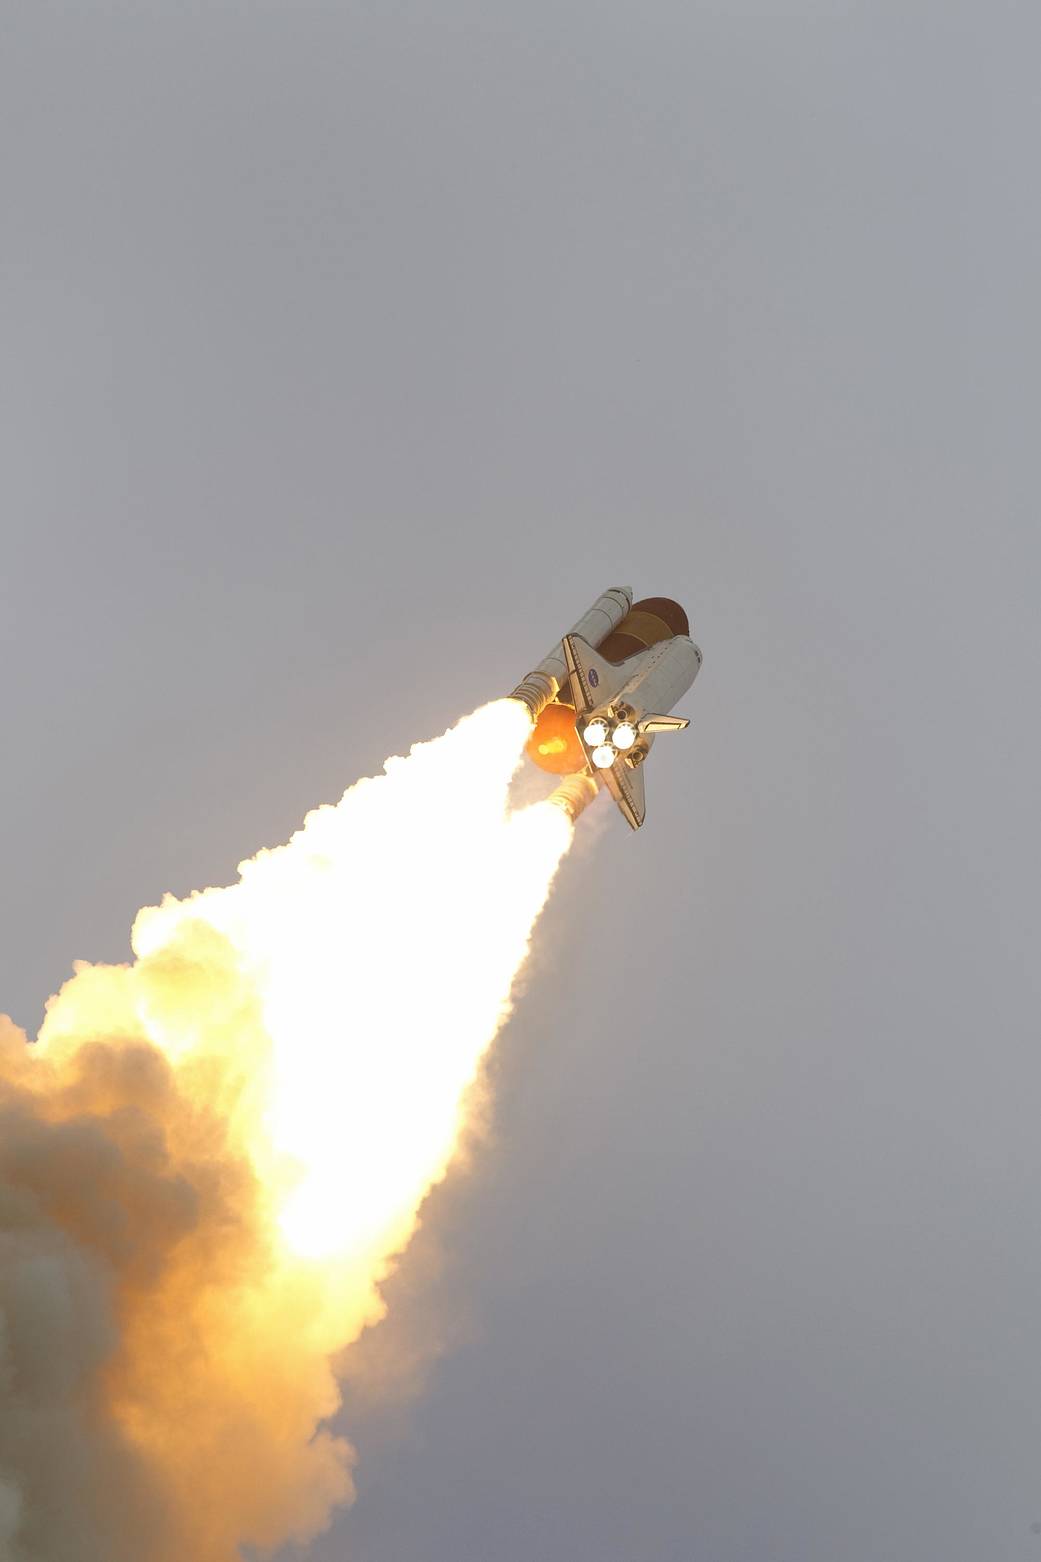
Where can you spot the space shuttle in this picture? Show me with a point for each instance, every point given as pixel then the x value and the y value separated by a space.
pixel 604 693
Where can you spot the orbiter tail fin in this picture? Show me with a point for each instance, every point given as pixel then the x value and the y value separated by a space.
pixel 594 680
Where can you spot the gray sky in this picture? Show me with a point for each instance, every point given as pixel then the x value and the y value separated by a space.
pixel 348 352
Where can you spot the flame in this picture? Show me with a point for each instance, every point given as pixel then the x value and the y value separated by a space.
pixel 288 1060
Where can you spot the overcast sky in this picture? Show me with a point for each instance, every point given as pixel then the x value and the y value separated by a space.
pixel 348 352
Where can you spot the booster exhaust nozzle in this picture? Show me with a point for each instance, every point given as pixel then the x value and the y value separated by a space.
pixel 574 795
pixel 535 691
pixel 545 681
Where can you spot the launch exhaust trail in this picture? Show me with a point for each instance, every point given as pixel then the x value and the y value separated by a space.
pixel 212 1155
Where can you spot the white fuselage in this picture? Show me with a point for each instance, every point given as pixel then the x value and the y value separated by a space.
pixel 661 676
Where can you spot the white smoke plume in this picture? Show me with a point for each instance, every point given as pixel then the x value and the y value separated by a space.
pixel 211 1156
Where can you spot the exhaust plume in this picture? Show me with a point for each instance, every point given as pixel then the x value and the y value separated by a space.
pixel 211 1157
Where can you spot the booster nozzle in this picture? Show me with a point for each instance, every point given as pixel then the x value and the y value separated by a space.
pixel 545 681
pixel 574 795
pixel 536 691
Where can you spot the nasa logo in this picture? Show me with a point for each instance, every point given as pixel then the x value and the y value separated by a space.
pixel 594 677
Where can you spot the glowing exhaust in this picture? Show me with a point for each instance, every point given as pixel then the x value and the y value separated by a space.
pixel 236 1132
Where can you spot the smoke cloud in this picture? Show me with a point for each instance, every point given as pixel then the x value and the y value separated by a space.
pixel 210 1157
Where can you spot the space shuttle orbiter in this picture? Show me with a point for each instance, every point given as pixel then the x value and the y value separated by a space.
pixel 605 692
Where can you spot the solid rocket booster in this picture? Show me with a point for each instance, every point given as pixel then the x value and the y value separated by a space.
pixel 546 680
pixel 574 795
